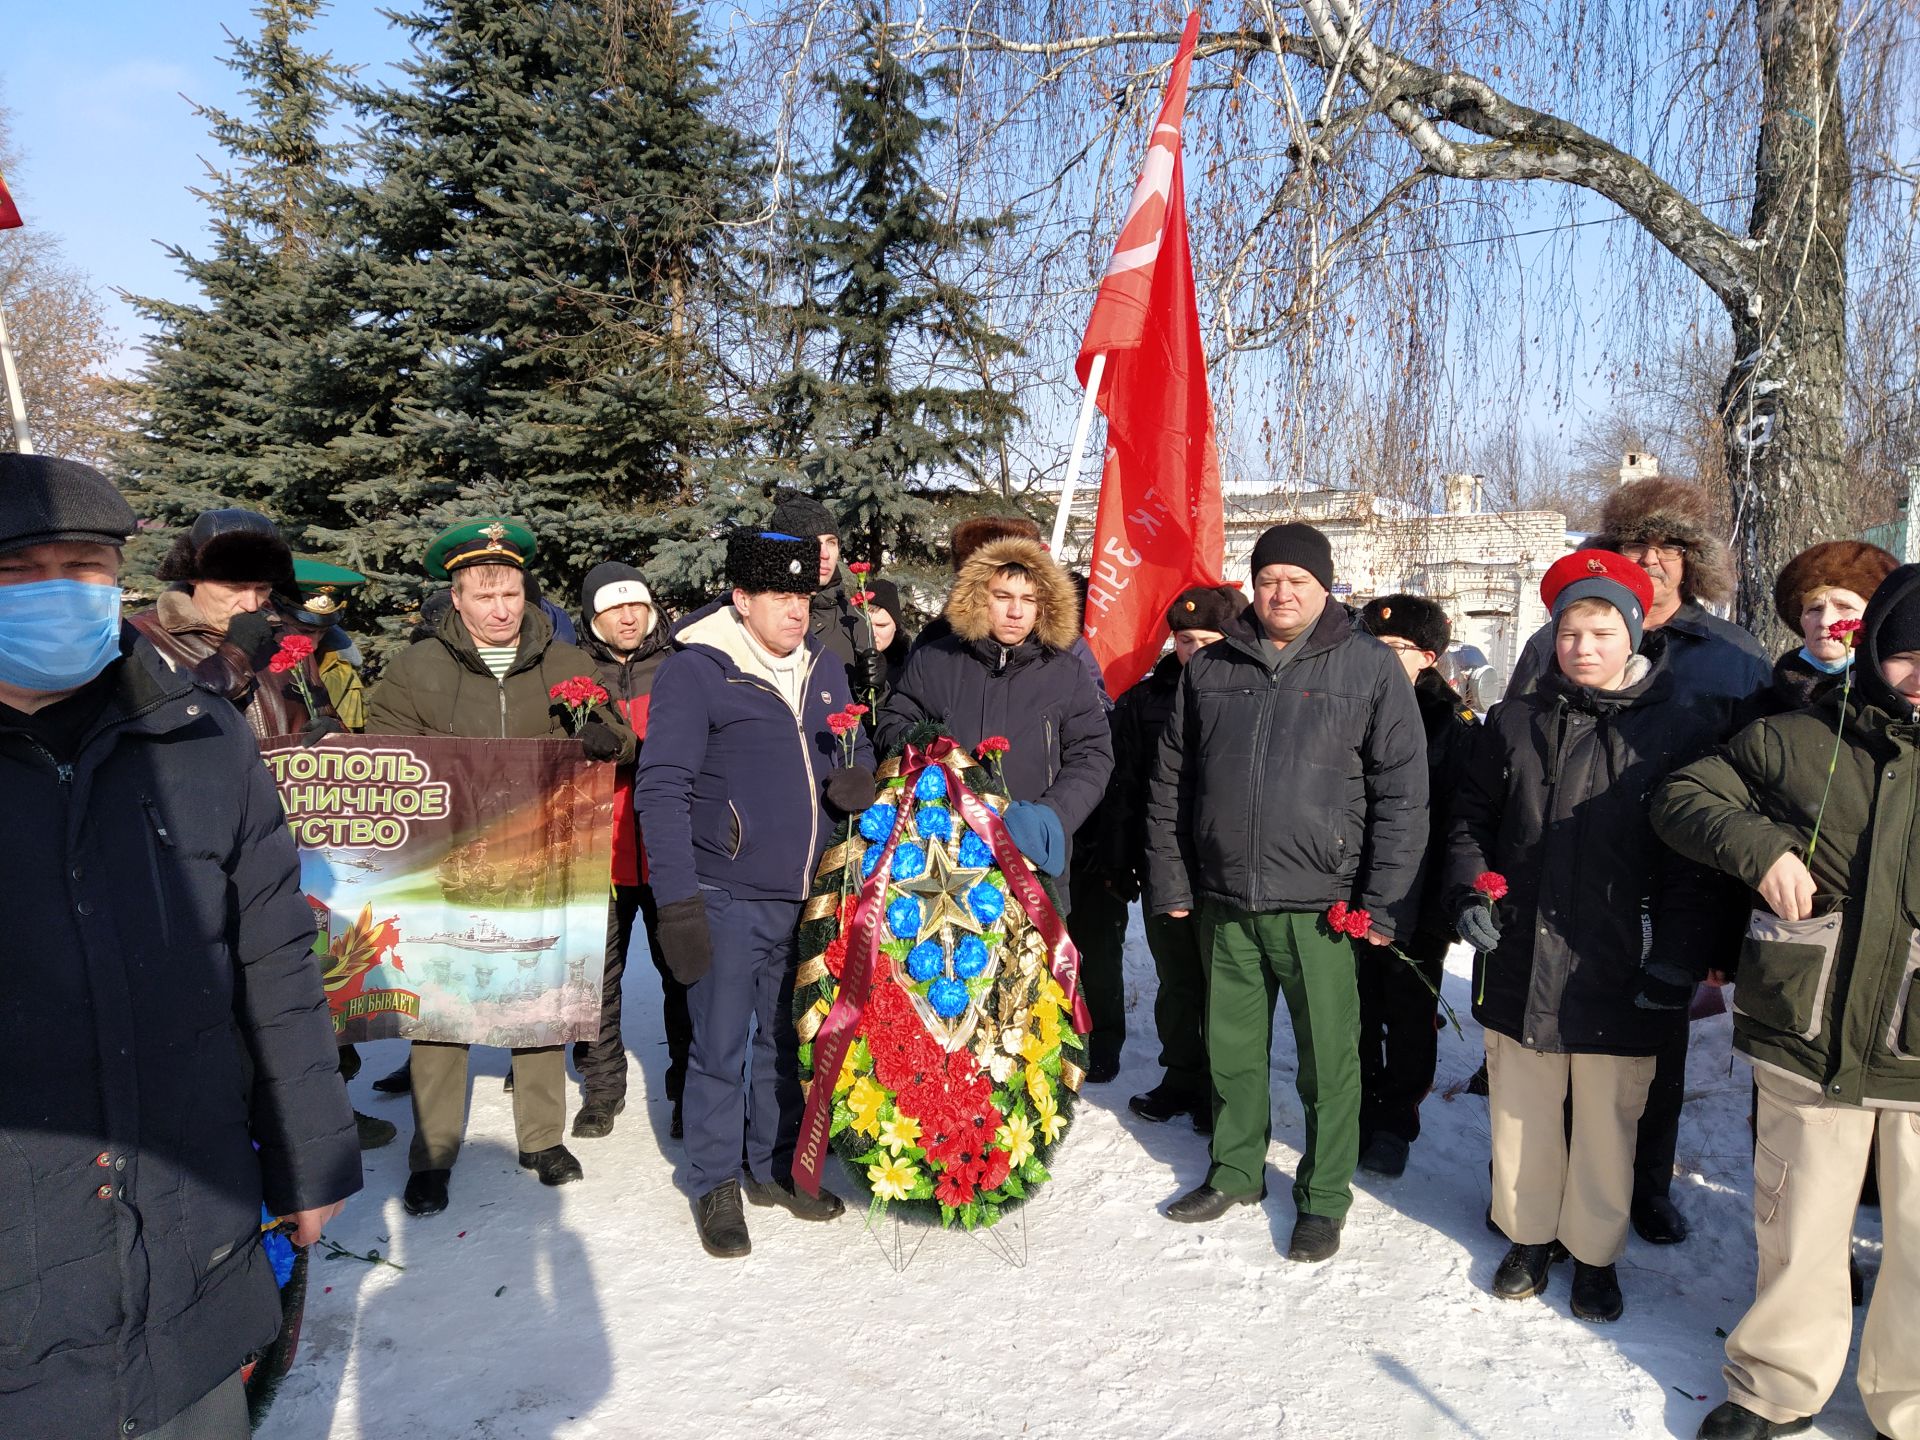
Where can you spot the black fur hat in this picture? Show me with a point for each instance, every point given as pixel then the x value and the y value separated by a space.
pixel 1206 607
pixel 235 547
pixel 759 561
pixel 1409 617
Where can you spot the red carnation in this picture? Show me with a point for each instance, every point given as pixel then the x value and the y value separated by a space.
pixel 1492 884
pixel 856 710
pixel 1337 917
pixel 840 722
pixel 992 745
pixel 1847 630
pixel 1359 924
pixel 859 567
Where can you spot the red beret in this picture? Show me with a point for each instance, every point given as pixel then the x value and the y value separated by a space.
pixel 1590 565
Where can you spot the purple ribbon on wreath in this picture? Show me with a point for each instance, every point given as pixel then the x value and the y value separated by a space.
pixel 835 1036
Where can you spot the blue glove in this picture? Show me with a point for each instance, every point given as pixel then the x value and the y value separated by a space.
pixel 1478 928
pixel 1038 833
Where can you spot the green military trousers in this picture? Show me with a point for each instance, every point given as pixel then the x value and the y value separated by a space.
pixel 1253 957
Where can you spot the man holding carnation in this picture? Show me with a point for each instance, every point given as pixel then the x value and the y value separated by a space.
pixel 1292 776
pixel 739 787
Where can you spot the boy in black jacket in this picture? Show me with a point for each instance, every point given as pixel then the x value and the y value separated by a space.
pixel 1588 967
pixel 1399 1044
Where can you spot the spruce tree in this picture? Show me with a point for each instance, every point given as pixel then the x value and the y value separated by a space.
pixel 228 401
pixel 537 248
pixel 884 412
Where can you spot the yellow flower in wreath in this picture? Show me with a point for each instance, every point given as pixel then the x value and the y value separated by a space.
pixel 893 1178
pixel 1016 1138
pixel 847 1073
pixel 1047 1019
pixel 1033 1048
pixel 865 1103
pixel 1050 1121
pixel 899 1132
pixel 1038 1087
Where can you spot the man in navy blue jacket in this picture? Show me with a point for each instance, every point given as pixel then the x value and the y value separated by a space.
pixel 739 788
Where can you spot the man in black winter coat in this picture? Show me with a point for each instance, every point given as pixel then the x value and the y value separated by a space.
pixel 1399 1002
pixel 1197 617
pixel 628 636
pixel 1006 669
pixel 1291 778
pixel 832 619
pixel 164 1011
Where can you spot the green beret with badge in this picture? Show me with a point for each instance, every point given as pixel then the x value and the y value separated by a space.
pixel 488 540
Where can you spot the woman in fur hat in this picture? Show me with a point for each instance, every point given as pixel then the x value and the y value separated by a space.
pixel 1820 586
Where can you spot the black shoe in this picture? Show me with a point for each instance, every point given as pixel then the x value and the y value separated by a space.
pixel 1523 1272
pixel 1386 1155
pixel 555 1165
pixel 721 1222
pixel 595 1120
pixel 373 1132
pixel 1728 1421
pixel 1165 1102
pixel 1856 1282
pixel 1658 1221
pixel 1205 1203
pixel 426 1192
pixel 1477 1083
pixel 676 1127
pixel 1493 1229
pixel 1203 1117
pixel 396 1082
pixel 506 1086
pixel 1315 1238
pixel 1596 1293
pixel 1103 1069
pixel 795 1201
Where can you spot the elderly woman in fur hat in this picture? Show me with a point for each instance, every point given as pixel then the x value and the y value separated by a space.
pixel 1822 585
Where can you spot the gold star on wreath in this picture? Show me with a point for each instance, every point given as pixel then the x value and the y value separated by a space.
pixel 944 886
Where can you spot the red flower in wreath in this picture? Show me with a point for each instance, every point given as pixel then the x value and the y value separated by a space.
pixel 999 1165
pixel 953 1188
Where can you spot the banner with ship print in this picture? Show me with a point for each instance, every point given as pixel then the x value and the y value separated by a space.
pixel 459 887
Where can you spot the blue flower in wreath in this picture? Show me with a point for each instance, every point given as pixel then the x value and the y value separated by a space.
pixel 969 957
pixel 932 784
pixel 935 822
pixel 909 861
pixel 975 853
pixel 925 961
pixel 986 902
pixel 870 861
pixel 948 997
pixel 903 917
pixel 877 823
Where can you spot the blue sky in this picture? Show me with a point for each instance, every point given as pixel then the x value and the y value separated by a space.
pixel 94 89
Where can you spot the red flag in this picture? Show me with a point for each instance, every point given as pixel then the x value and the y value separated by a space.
pixel 1159 525
pixel 9 212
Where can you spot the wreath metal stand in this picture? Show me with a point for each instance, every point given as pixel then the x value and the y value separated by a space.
pixel 893 1246
pixel 996 1243
pixel 1010 1249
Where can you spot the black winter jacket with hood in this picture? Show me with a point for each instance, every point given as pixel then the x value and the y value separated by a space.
pixel 164 1015
pixel 1555 797
pixel 1289 788
pixel 1037 695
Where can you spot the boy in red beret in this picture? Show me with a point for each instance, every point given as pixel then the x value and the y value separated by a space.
pixel 1587 967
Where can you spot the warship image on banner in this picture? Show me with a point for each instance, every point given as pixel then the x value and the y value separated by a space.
pixel 488 938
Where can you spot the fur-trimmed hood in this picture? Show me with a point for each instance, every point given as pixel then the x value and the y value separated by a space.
pixel 1677 511
pixel 1058 622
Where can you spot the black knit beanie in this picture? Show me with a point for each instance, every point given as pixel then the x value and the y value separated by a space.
pixel 1296 544
pixel 798 514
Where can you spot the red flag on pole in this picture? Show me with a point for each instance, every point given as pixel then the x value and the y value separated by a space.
pixel 1159 526
pixel 9 212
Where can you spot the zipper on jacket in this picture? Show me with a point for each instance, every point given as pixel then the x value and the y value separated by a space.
pixel 502 683
pixel 153 867
pixel 1048 723
pixel 61 771
pixel 159 825
pixel 1258 789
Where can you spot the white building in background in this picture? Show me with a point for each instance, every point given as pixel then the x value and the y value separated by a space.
pixel 1484 568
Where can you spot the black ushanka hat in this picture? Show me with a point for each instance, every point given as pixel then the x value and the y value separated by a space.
pixel 763 561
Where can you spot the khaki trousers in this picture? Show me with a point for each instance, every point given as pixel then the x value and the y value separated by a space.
pixel 440 1101
pixel 1788 1353
pixel 1546 1187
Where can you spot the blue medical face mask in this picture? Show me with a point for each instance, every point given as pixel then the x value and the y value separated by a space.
pixel 57 634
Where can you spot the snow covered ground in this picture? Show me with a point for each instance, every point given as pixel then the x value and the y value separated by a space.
pixel 591 1311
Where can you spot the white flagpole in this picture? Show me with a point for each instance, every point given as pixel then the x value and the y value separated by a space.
pixel 22 440
pixel 1080 428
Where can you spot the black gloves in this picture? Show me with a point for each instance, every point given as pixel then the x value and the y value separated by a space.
pixel 684 938
pixel 1478 928
pixel 599 740
pixel 250 633
pixel 851 789
pixel 319 727
pixel 866 672
pixel 1663 987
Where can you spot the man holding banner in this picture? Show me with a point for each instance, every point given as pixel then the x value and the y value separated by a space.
pixel 740 784
pixel 488 671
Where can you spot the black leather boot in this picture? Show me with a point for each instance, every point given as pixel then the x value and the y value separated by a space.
pixel 555 1165
pixel 722 1223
